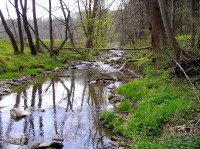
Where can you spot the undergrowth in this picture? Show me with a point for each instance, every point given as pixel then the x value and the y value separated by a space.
pixel 161 99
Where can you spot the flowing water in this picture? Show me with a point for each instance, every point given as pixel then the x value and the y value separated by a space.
pixel 72 106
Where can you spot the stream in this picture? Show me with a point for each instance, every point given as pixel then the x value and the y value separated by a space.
pixel 71 105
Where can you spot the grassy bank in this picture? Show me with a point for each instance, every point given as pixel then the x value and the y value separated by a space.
pixel 12 65
pixel 160 107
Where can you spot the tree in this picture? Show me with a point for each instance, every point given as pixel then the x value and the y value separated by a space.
pixel 158 38
pixel 91 8
pixel 26 27
pixel 21 40
pixel 10 34
pixel 37 41
pixel 170 35
pixel 50 26
pixel 66 23
pixel 173 2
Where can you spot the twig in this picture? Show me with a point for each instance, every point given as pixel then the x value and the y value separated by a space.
pixel 186 76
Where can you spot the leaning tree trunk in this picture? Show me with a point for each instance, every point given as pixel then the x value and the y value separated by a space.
pixel 10 34
pixel 26 27
pixel 170 35
pixel 21 40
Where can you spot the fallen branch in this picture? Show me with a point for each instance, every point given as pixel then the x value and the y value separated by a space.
pixel 129 60
pixel 186 76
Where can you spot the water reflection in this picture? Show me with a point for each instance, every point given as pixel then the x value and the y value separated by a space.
pixel 71 110
pixel 70 105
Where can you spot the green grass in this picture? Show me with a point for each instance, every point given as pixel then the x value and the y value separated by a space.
pixel 160 100
pixel 12 65
pixel 124 106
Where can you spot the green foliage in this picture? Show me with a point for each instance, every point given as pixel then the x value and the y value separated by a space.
pixel 160 100
pixel 124 106
pixel 185 142
pixel 107 116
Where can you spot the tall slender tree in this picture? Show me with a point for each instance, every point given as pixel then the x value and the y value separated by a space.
pixel 50 26
pixel 37 41
pixel 10 34
pixel 21 40
pixel 26 27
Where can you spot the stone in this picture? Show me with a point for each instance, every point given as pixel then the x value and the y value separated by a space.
pixel 54 144
pixel 74 67
pixel 5 91
pixel 108 126
pixel 35 145
pixel 93 82
pixel 19 141
pixel 18 113
pixel 36 109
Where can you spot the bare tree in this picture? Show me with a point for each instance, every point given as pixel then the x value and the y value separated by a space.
pixel 37 41
pixel 50 26
pixel 10 34
pixel 21 40
pixel 26 27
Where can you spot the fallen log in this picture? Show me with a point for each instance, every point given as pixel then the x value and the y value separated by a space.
pixel 107 49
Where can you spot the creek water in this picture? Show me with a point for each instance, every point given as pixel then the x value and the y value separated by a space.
pixel 72 106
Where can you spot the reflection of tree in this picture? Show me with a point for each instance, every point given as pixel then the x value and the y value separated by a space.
pixel 33 126
pixel 34 90
pixel 1 132
pixel 17 101
pixel 40 96
pixel 70 92
pixel 25 99
pixel 16 105
pixel 54 105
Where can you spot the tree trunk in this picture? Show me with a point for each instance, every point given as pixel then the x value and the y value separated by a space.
pixel 26 27
pixel 50 27
pixel 37 41
pixel 192 11
pixel 158 38
pixel 66 18
pixel 173 2
pixel 21 40
pixel 170 35
pixel 91 20
pixel 10 34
